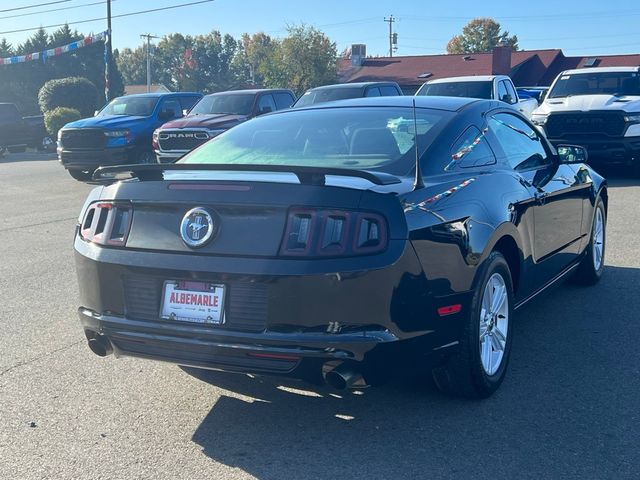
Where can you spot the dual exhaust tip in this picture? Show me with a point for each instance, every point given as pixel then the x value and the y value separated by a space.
pixel 99 344
pixel 342 377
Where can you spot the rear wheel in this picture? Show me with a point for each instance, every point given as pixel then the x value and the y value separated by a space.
pixel 478 367
pixel 81 175
pixel 592 266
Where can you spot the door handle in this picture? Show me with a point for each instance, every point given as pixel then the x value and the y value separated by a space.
pixel 541 197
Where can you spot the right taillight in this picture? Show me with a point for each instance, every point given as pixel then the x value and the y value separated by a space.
pixel 333 233
pixel 107 223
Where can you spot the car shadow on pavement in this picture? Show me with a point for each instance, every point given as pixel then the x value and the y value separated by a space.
pixel 574 358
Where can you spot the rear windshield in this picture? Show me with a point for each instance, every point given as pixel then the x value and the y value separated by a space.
pixel 611 83
pixel 8 111
pixel 232 104
pixel 136 106
pixel 328 95
pixel 379 138
pixel 458 89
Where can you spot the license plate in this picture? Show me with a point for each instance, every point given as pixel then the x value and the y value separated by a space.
pixel 196 302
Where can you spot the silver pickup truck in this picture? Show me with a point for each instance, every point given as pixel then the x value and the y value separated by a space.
pixel 490 87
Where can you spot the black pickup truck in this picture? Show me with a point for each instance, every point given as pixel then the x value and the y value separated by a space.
pixel 18 132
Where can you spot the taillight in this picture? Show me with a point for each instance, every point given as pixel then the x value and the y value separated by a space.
pixel 333 233
pixel 107 223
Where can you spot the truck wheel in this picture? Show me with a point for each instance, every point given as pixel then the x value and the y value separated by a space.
pixel 81 175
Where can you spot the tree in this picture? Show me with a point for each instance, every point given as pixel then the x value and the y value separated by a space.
pixel 73 92
pixel 304 59
pixel 481 35
pixel 6 50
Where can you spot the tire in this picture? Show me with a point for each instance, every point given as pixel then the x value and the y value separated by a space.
pixel 592 265
pixel 479 364
pixel 147 156
pixel 81 175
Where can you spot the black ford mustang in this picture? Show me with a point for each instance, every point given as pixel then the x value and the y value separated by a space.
pixel 341 242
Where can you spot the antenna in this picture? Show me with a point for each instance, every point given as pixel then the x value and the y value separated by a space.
pixel 418 182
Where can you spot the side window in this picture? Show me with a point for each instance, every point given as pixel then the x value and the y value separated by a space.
pixel 502 91
pixel 471 150
pixel 521 144
pixel 389 91
pixel 372 92
pixel 283 100
pixel 172 107
pixel 511 91
pixel 187 102
pixel 266 104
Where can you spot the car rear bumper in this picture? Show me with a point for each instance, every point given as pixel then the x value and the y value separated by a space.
pixel 92 159
pixel 375 320
pixel 606 151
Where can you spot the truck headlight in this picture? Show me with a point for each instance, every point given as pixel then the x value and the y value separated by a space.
pixel 116 133
pixel 539 118
pixel 633 117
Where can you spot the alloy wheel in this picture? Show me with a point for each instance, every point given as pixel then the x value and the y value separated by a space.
pixel 494 323
pixel 598 240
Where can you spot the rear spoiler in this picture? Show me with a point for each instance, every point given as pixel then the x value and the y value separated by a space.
pixel 306 175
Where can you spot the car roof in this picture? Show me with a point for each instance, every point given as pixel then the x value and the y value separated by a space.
pixel 468 78
pixel 351 85
pixel 161 94
pixel 252 91
pixel 601 70
pixel 452 104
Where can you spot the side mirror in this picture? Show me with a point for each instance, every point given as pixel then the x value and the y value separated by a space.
pixel 572 154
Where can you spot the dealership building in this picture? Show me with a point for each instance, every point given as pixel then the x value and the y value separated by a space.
pixel 525 67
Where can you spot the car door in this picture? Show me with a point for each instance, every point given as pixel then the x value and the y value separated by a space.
pixel 557 192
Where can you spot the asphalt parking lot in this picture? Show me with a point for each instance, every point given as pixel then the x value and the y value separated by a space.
pixel 569 407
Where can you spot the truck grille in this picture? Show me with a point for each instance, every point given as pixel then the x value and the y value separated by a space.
pixel 245 305
pixel 83 139
pixel 610 124
pixel 182 140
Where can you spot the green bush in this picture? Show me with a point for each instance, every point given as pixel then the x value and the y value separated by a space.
pixel 72 92
pixel 57 118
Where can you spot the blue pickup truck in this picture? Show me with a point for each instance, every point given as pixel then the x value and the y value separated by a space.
pixel 120 133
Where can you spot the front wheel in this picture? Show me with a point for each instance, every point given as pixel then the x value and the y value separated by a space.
pixel 592 265
pixel 478 367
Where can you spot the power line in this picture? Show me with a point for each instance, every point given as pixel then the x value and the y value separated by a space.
pixel 141 12
pixel 33 6
pixel 53 10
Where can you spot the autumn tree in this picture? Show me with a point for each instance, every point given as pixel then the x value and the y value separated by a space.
pixel 481 35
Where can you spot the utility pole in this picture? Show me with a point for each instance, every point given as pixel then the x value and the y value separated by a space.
pixel 390 21
pixel 108 56
pixel 148 36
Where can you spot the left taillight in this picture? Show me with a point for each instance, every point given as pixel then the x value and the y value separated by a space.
pixel 107 223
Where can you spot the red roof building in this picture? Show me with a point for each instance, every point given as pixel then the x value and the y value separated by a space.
pixel 525 67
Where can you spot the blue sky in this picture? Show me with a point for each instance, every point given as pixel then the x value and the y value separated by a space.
pixel 586 27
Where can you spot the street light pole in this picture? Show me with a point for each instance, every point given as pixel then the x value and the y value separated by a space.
pixel 108 56
pixel 148 36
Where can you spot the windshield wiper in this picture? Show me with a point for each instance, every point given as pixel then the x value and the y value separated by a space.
pixel 306 175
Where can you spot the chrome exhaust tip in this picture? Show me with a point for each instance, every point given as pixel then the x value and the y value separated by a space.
pixel 99 344
pixel 342 377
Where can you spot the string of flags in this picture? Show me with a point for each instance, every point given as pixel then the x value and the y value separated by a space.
pixel 54 52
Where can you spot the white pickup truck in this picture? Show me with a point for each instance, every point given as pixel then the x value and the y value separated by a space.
pixel 598 108
pixel 491 87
